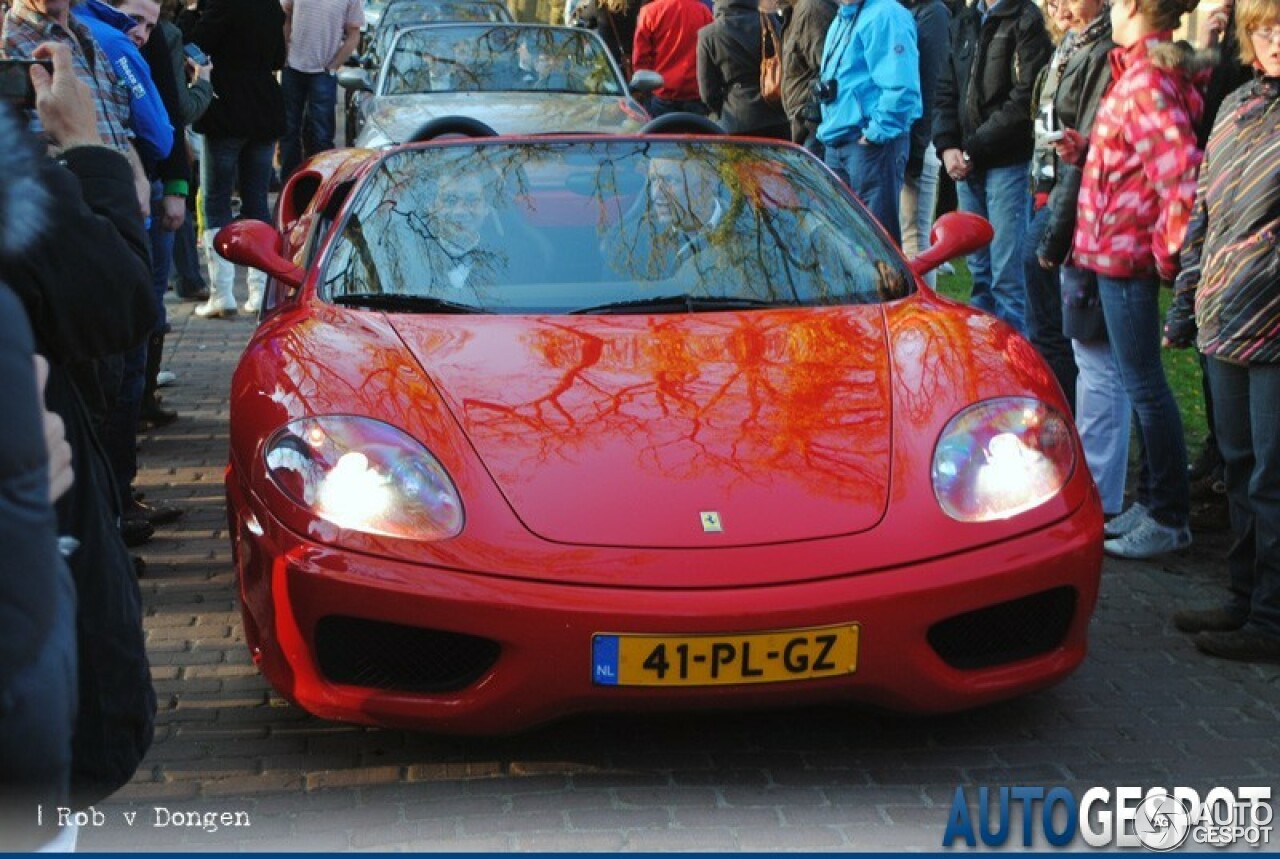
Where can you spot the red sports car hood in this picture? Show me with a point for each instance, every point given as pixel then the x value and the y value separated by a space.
pixel 673 430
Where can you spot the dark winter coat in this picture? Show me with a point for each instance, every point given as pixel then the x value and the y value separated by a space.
pixel 933 40
pixel 729 68
pixel 1231 256
pixel 802 45
pixel 618 30
pixel 195 98
pixel 984 95
pixel 85 283
pixel 245 42
pixel 1085 78
pixel 174 170
pixel 37 606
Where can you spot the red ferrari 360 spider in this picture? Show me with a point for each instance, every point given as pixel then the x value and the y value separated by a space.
pixel 537 426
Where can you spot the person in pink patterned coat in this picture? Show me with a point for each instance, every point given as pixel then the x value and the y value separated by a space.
pixel 1136 196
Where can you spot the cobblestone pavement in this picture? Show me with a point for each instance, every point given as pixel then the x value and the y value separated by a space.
pixel 1145 709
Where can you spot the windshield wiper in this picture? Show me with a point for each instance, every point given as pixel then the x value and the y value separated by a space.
pixel 679 304
pixel 404 303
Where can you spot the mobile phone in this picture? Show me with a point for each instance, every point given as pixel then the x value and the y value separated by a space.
pixel 15 81
pixel 199 57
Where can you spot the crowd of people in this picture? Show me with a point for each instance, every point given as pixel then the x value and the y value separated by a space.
pixel 96 210
pixel 1080 131
pixel 1111 160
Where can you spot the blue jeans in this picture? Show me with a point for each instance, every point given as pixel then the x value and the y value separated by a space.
pixel 1132 311
pixel 161 255
pixel 874 171
pixel 1044 310
pixel 1246 405
pixel 916 205
pixel 231 162
pixel 1001 195
pixel 310 100
pixel 186 259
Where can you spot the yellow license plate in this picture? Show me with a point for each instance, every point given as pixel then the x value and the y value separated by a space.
pixel 717 660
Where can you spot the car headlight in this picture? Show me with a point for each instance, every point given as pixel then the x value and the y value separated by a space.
pixel 1000 458
pixel 364 475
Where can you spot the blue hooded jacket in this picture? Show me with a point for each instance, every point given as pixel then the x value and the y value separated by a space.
pixel 148 119
pixel 876 65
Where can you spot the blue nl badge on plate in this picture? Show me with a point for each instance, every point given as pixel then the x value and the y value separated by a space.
pixel 604 660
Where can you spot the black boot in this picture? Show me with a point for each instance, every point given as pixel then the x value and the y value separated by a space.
pixel 152 414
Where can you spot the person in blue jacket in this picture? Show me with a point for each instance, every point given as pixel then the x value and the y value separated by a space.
pixel 149 121
pixel 869 89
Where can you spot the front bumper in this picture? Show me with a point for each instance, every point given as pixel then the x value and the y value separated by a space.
pixel 297 595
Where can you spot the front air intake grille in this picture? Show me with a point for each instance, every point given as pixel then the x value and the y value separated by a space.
pixel 389 656
pixel 1007 632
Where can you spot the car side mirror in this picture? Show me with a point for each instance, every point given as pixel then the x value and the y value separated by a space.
pixel 354 79
pixel 258 245
pixel 955 234
pixel 645 81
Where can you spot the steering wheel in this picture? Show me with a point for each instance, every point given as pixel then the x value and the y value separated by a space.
pixel 681 123
pixel 465 126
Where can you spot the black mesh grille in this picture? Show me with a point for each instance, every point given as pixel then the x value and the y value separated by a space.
pixel 1007 632
pixel 402 658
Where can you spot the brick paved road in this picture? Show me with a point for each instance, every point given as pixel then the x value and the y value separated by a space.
pixel 1145 709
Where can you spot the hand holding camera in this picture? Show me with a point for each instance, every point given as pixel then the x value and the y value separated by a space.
pixel 16 87
pixel 820 92
pixel 199 66
pixel 825 92
pixel 1072 147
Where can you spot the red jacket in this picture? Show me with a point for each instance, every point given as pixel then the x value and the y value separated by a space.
pixel 667 42
pixel 1140 175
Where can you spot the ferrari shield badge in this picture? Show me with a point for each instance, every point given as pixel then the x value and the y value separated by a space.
pixel 711 522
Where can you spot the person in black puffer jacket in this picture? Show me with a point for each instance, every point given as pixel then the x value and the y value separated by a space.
pixel 982 131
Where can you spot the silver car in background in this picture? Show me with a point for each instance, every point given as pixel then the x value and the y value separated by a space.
pixel 375 11
pixel 515 78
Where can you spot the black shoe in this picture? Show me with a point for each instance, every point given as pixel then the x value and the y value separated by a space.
pixel 139 566
pixel 1208 462
pixel 155 514
pixel 1216 619
pixel 136 532
pixel 1243 645
pixel 153 416
pixel 198 294
pixel 1212 485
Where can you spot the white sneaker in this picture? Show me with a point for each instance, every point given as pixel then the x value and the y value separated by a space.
pixel 165 378
pixel 253 304
pixel 1148 539
pixel 215 309
pixel 1120 525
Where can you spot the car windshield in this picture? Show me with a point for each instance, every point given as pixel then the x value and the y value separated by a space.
pixel 595 226
pixel 479 58
pixel 411 13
